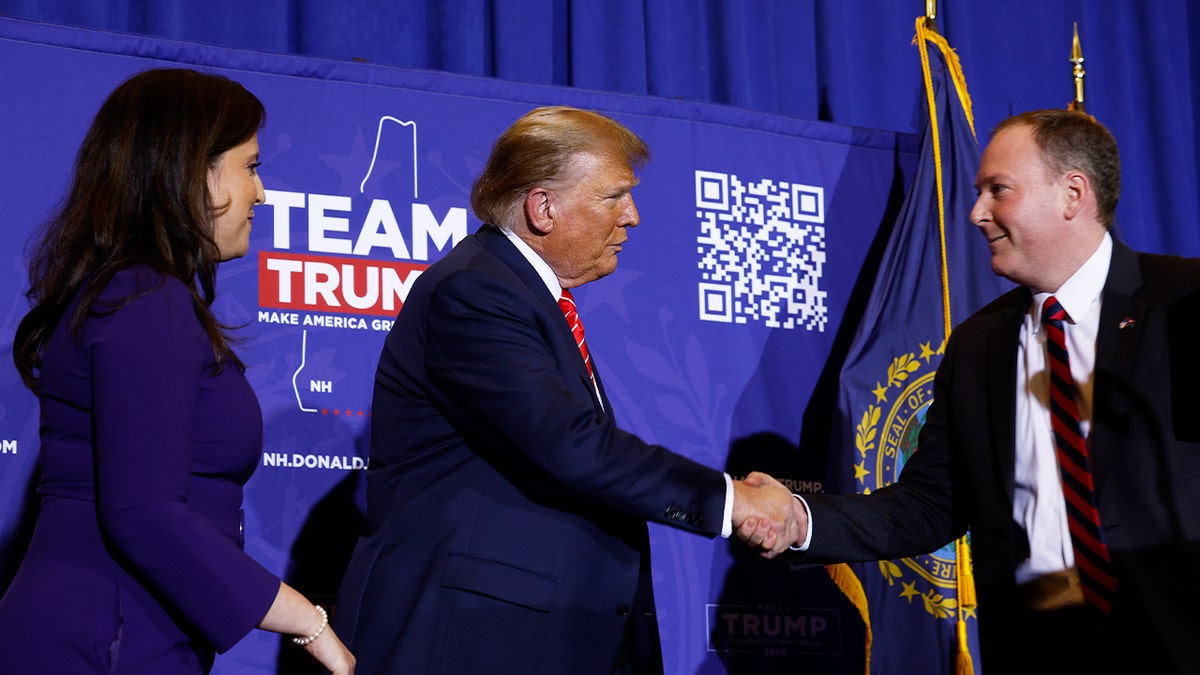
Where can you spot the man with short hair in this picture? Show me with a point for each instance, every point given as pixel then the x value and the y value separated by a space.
pixel 1090 365
pixel 506 519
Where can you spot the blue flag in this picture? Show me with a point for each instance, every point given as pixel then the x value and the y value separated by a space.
pixel 935 271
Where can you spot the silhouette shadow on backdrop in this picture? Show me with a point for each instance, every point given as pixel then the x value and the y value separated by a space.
pixel 320 554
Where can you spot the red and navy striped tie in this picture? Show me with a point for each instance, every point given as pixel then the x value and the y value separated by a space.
pixel 1083 518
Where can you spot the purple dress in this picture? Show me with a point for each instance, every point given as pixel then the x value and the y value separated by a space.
pixel 136 563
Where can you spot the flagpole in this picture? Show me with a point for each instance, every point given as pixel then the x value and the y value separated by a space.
pixel 1078 73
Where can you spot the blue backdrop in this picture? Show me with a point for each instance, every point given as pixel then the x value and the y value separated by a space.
pixel 368 169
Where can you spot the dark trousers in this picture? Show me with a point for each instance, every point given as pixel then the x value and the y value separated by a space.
pixel 1068 641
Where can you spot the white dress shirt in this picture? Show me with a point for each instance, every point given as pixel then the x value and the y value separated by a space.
pixel 1038 504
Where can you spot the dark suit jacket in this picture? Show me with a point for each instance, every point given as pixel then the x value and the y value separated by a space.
pixel 1146 460
pixel 505 527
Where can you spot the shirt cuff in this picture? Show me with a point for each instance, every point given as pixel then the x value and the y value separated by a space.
pixel 807 535
pixel 727 522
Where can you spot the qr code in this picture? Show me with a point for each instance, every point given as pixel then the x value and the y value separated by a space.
pixel 762 250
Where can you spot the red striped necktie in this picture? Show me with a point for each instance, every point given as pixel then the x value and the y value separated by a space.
pixel 567 304
pixel 1083 518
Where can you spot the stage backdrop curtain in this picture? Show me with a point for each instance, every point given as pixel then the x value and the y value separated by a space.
pixel 774 66
pixel 843 61
pixel 759 231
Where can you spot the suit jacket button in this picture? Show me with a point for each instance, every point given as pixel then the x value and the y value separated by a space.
pixel 622 610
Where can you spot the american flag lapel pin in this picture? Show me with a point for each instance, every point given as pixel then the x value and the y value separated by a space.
pixel 1127 322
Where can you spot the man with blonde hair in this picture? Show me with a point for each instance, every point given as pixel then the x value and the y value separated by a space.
pixel 506 520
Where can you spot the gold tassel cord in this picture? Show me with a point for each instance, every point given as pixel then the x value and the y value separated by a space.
pixel 964 664
pixel 960 86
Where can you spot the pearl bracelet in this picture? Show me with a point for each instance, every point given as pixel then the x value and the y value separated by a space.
pixel 302 641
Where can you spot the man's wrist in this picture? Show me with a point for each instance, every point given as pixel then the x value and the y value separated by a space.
pixel 807 538
pixel 727 517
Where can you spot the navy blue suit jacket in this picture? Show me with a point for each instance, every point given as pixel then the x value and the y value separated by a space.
pixel 1145 457
pixel 506 516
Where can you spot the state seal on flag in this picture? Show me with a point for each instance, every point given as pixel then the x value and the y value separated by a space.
pixel 886 437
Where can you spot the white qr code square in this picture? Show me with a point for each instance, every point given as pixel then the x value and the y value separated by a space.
pixel 762 250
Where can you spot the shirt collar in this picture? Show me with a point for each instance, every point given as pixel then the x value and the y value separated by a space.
pixel 1078 293
pixel 539 265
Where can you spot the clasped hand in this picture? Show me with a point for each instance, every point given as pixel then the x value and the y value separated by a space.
pixel 765 515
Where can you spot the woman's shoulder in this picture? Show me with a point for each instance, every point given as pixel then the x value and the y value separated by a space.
pixel 140 293
pixel 141 279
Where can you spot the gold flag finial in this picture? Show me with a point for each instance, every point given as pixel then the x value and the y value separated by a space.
pixel 931 15
pixel 1078 72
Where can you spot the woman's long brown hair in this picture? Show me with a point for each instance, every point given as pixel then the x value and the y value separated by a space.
pixel 139 195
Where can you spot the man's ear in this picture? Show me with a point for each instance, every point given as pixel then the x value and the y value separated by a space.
pixel 539 210
pixel 1077 188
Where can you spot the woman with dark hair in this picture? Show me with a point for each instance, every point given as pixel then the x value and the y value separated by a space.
pixel 149 428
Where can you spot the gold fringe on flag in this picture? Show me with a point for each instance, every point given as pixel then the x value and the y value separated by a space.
pixel 850 586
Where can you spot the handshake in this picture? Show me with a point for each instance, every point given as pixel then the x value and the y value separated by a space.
pixel 766 516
